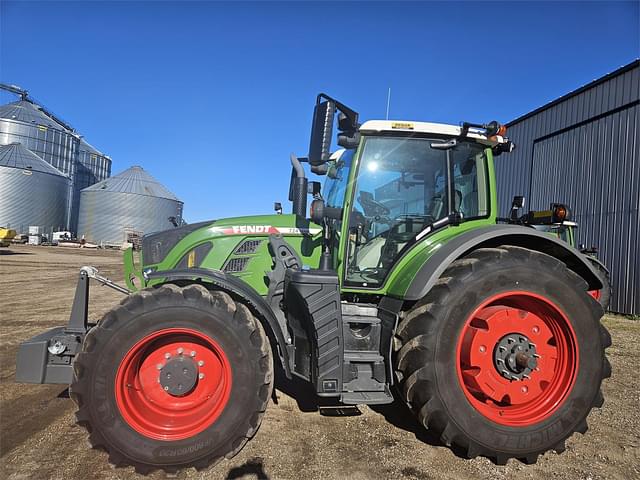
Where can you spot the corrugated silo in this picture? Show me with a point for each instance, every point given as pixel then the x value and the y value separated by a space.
pixel 93 167
pixel 26 123
pixel 32 191
pixel 130 202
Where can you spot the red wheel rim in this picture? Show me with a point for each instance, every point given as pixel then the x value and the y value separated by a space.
pixel 539 391
pixel 146 404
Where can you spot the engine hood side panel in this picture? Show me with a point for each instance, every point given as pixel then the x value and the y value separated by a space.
pixel 237 246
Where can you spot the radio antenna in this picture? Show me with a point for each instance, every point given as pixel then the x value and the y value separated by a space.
pixel 388 102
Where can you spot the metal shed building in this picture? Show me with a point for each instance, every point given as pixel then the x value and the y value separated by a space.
pixel 583 149
pixel 131 203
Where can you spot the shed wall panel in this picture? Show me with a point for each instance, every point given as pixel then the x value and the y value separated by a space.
pixel 583 150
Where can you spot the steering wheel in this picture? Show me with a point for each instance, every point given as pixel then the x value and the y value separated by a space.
pixel 395 238
pixel 371 207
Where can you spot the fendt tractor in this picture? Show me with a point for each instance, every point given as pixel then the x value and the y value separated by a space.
pixel 402 283
pixel 556 221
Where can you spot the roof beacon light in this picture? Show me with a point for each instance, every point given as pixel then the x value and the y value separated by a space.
pixel 560 212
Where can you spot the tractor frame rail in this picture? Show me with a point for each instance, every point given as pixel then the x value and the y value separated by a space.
pixel 48 357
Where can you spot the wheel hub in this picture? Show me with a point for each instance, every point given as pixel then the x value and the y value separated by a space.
pixel 515 357
pixel 179 376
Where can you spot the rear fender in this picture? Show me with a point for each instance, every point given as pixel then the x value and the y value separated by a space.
pixel 495 236
pixel 239 290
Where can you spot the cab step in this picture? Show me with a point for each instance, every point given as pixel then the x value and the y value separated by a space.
pixel 369 398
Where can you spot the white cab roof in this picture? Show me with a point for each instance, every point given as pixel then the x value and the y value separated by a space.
pixel 379 126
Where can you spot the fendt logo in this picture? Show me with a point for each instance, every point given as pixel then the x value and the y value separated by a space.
pixel 254 229
pixel 264 230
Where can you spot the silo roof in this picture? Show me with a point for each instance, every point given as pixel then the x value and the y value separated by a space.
pixel 24 111
pixel 16 155
pixel 136 181
pixel 87 147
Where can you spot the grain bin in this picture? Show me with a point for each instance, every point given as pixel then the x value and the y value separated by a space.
pixel 92 167
pixel 132 202
pixel 32 191
pixel 26 123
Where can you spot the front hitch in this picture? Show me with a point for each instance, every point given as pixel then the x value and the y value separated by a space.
pixel 48 357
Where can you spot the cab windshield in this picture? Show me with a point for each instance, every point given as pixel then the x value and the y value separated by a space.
pixel 402 186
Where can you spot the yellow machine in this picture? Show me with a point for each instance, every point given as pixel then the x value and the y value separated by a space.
pixel 6 234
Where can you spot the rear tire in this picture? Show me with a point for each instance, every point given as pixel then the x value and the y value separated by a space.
pixel 451 368
pixel 173 377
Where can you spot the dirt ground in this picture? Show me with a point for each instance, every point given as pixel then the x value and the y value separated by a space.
pixel 38 438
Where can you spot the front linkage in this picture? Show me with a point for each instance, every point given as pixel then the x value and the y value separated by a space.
pixel 48 357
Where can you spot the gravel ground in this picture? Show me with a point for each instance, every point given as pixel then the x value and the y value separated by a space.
pixel 38 438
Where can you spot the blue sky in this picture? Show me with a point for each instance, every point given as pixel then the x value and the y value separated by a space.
pixel 211 98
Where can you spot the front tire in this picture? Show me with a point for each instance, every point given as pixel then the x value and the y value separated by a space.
pixel 504 357
pixel 173 377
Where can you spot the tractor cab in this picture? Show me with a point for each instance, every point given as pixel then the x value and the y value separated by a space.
pixel 395 183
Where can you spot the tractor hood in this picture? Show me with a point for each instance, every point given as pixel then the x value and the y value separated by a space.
pixel 238 246
pixel 158 247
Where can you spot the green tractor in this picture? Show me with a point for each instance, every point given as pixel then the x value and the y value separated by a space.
pixel 401 285
pixel 557 221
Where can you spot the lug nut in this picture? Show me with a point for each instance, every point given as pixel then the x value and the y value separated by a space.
pixel 201 376
pixel 200 363
pixel 166 388
pixel 193 353
pixel 167 355
pixel 159 366
pixel 180 350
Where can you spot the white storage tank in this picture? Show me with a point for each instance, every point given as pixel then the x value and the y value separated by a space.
pixel 129 203
pixel 32 192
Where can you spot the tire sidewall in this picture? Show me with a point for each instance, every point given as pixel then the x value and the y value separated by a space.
pixel 243 356
pixel 576 405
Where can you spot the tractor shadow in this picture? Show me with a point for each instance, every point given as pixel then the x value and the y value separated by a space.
pixel 251 469
pixel 399 415
pixel 307 400
pixel 13 252
pixel 302 392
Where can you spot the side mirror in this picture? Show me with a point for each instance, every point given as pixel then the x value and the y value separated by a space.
pixel 321 132
pixel 516 204
pixel 314 189
pixel 277 207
